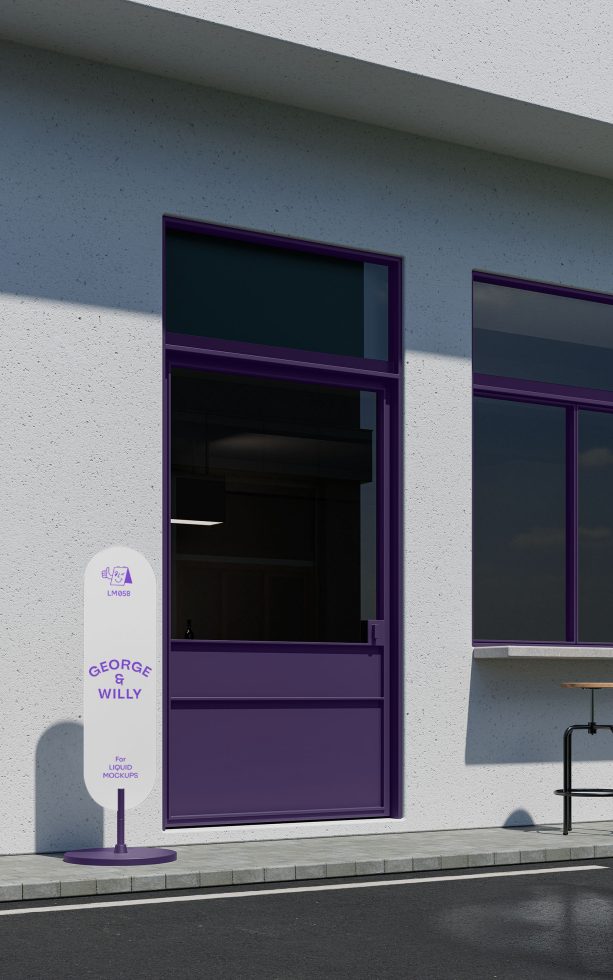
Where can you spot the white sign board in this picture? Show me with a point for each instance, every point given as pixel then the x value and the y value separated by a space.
pixel 119 677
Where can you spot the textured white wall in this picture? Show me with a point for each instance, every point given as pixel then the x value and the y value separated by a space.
pixel 526 80
pixel 554 53
pixel 90 159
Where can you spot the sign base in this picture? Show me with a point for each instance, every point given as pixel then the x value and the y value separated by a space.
pixel 121 854
pixel 133 855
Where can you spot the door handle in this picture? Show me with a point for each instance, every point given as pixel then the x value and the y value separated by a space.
pixel 376 632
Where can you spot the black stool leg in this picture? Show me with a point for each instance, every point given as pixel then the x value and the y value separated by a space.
pixel 568 780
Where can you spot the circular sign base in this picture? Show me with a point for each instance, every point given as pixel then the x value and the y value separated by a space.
pixel 133 855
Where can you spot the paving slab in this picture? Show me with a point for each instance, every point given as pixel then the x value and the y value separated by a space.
pixel 40 876
pixel 305 871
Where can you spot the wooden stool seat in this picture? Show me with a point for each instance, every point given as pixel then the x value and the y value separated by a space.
pixel 586 685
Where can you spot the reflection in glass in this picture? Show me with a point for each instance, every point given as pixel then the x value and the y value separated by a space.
pixel 293 553
pixel 375 311
pixel 595 527
pixel 519 522
pixel 261 294
pixel 519 333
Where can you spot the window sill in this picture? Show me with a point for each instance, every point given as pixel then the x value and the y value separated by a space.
pixel 542 653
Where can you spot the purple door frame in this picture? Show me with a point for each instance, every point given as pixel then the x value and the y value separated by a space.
pixel 353 677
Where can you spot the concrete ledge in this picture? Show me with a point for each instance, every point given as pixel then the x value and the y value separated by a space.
pixel 543 653
pixel 36 877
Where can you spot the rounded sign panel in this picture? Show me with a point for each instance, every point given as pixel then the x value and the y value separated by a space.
pixel 119 677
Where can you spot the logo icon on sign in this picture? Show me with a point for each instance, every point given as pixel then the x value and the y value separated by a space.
pixel 119 575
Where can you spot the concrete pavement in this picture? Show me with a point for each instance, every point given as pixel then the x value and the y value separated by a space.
pixel 40 876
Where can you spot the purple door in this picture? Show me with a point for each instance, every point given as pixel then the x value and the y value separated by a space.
pixel 280 680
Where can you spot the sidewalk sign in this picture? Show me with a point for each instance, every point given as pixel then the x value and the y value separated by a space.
pixel 119 695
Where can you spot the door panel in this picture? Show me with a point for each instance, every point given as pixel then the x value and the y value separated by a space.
pixel 279 707
pixel 283 760
pixel 302 670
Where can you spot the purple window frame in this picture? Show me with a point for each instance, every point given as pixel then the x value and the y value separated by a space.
pixel 572 400
pixel 258 360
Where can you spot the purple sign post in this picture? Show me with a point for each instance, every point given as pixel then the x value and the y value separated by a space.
pixel 119 695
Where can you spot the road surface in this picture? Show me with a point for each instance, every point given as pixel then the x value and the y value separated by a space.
pixel 537 921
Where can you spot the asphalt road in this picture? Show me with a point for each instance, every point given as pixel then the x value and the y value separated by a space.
pixel 543 926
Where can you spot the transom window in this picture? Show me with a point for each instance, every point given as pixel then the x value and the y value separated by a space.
pixel 543 464
pixel 246 288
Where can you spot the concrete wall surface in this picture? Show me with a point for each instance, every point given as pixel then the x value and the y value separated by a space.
pixel 555 54
pixel 91 157
pixel 526 80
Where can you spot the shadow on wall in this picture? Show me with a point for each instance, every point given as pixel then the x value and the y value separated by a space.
pixel 66 816
pixel 517 712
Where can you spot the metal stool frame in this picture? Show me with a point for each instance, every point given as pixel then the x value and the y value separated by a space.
pixel 568 792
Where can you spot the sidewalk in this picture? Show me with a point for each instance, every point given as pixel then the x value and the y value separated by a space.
pixel 37 876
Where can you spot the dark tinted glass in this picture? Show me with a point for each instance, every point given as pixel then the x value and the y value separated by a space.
pixel 275 487
pixel 519 333
pixel 519 522
pixel 234 290
pixel 595 527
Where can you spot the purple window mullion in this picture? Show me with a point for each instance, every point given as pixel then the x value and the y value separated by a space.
pixel 555 289
pixel 518 389
pixel 572 524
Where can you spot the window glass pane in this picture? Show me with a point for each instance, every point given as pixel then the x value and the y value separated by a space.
pixel 519 522
pixel 519 333
pixel 234 290
pixel 595 527
pixel 275 485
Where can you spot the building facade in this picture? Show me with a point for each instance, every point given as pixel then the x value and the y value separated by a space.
pixel 239 264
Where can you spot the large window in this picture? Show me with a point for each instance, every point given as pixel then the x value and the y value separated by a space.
pixel 274 509
pixel 543 464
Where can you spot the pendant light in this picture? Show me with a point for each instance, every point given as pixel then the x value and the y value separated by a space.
pixel 198 500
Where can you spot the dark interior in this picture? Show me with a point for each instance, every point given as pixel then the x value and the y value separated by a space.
pixel 288 471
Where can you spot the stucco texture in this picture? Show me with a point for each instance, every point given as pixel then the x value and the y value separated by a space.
pixel 551 54
pixel 91 157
